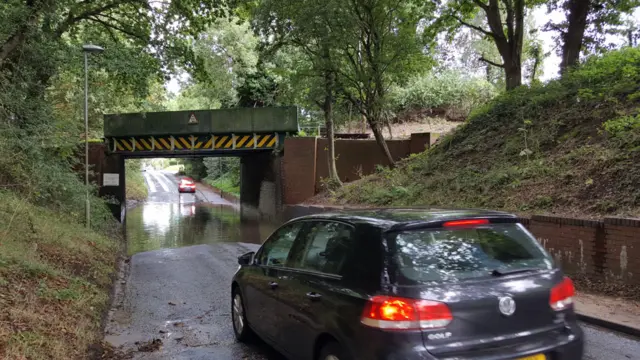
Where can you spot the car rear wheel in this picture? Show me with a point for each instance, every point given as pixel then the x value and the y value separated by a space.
pixel 333 351
pixel 241 328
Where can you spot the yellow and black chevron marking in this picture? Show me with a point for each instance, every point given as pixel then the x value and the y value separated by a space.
pixel 195 142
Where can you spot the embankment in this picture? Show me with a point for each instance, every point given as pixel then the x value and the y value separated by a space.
pixel 570 148
pixel 55 280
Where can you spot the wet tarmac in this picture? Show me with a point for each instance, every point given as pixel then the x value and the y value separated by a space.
pixel 184 253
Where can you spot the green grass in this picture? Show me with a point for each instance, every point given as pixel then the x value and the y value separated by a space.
pixel 136 187
pixel 571 147
pixel 226 184
pixel 55 278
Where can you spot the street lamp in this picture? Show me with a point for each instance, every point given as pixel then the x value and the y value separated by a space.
pixel 87 49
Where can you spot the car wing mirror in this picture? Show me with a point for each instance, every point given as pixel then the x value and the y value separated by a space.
pixel 246 259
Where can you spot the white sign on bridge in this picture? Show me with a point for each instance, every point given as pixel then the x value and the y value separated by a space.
pixel 110 179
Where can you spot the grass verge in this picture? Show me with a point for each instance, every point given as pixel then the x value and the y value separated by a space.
pixel 136 187
pixel 55 279
pixel 226 184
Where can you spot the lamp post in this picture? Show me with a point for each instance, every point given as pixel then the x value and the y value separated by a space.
pixel 87 49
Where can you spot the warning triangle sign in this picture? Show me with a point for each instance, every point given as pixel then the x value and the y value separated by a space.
pixel 192 119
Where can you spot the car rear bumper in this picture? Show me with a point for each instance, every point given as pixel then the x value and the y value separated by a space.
pixel 394 348
pixel 187 190
pixel 571 351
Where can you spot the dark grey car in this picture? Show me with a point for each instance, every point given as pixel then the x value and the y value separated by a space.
pixel 406 284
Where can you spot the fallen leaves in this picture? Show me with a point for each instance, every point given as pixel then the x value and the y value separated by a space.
pixel 151 346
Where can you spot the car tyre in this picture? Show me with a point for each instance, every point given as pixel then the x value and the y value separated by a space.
pixel 241 328
pixel 333 351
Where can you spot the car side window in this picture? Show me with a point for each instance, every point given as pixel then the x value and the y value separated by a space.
pixel 276 250
pixel 327 245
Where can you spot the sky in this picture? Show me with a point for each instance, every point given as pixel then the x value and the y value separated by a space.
pixel 551 64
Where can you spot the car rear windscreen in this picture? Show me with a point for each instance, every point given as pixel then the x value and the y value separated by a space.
pixel 464 253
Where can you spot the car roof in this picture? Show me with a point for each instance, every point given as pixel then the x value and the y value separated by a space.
pixel 396 219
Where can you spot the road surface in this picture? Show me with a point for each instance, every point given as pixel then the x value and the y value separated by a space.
pixel 163 187
pixel 180 295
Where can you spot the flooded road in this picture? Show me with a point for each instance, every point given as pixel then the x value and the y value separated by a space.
pixel 153 226
pixel 172 220
pixel 174 302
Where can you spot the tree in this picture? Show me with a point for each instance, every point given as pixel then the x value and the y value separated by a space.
pixel 160 31
pixel 226 52
pixel 305 25
pixel 41 78
pixel 632 32
pixel 586 24
pixel 378 44
pixel 471 52
pixel 505 27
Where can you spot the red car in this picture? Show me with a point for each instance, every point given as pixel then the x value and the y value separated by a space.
pixel 186 186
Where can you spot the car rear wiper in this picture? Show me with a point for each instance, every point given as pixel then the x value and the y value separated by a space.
pixel 498 272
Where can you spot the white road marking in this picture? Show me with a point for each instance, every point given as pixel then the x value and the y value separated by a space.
pixel 150 184
pixel 169 181
pixel 159 178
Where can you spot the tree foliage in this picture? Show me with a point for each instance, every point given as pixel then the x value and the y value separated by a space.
pixel 42 78
pixel 379 44
pixel 304 26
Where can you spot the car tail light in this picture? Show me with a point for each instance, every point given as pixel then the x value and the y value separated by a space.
pixel 470 222
pixel 395 313
pixel 562 295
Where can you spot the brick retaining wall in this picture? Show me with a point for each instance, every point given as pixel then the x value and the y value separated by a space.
pixel 607 249
pixel 305 161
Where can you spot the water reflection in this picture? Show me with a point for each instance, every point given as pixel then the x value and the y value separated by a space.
pixel 153 226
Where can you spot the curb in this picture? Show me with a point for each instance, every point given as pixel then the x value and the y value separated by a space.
pixel 609 325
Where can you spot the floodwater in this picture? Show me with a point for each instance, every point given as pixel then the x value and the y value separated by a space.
pixel 159 225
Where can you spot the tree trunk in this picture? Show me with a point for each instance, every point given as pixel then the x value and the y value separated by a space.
pixel 536 63
pixel 513 79
pixel 377 133
pixel 509 45
pixel 328 120
pixel 577 18
pixel 513 73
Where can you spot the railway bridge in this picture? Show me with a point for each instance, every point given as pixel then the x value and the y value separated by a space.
pixel 256 135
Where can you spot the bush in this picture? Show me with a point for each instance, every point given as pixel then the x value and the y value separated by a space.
pixel 223 166
pixel 227 183
pixel 48 176
pixel 450 91
pixel 195 169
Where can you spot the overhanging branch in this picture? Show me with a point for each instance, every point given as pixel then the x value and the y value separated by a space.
pixel 474 27
pixel 482 58
pixel 117 28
